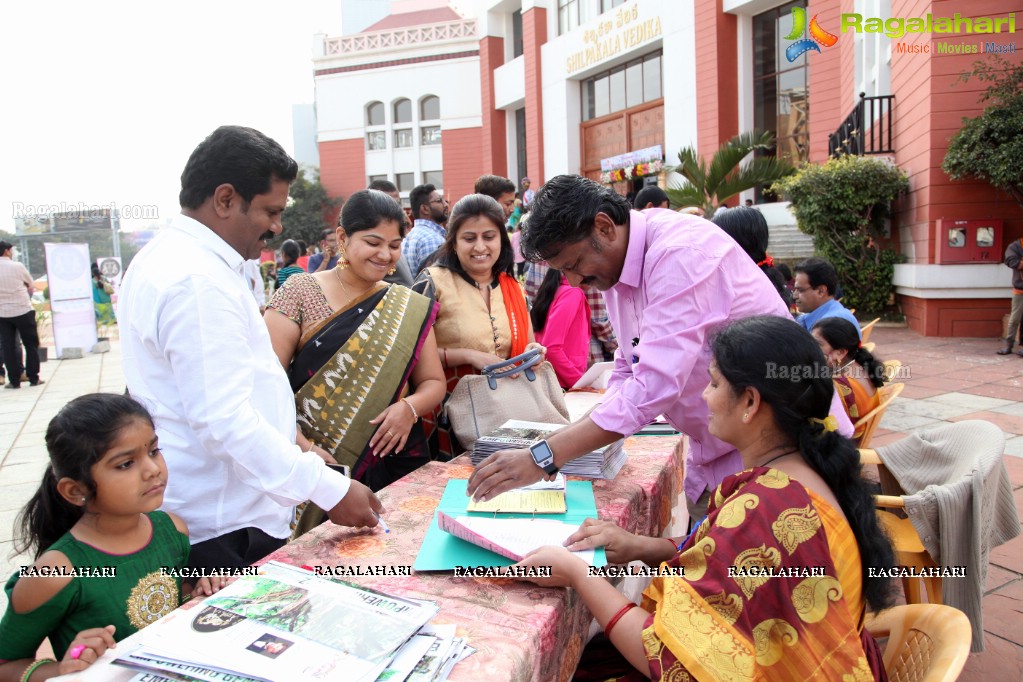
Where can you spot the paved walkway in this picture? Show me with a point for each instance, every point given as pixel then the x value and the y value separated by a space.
pixel 947 380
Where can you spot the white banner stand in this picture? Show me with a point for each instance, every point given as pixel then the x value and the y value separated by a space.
pixel 69 277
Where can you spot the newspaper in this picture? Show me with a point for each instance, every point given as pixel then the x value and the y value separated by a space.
pixel 407 659
pixel 284 624
pixel 429 667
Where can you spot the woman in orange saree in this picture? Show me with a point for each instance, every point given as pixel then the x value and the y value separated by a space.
pixel 773 584
pixel 856 372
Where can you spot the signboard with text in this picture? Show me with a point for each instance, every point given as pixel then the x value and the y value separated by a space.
pixel 73 221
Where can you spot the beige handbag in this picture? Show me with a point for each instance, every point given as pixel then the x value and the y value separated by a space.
pixel 482 402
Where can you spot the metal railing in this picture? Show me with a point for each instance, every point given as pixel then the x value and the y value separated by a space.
pixel 866 130
pixel 461 29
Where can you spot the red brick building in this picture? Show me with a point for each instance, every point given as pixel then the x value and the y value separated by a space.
pixel 541 87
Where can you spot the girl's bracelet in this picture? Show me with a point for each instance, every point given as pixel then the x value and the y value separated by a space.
pixel 32 667
pixel 415 415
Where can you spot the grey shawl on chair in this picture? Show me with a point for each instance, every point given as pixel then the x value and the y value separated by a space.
pixel 959 500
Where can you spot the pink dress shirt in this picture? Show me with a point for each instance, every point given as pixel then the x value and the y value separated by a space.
pixel 682 281
pixel 567 334
pixel 516 239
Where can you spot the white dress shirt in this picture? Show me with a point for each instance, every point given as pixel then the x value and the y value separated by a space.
pixel 254 276
pixel 197 354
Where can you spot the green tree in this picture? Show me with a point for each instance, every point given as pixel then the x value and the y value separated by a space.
pixel 843 205
pixel 990 146
pixel 709 186
pixel 309 208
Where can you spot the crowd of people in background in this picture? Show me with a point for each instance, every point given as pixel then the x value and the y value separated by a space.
pixel 571 322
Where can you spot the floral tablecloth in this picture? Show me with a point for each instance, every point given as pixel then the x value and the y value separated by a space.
pixel 520 631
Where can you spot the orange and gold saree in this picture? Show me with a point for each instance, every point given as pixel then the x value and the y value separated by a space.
pixel 772 591
pixel 855 399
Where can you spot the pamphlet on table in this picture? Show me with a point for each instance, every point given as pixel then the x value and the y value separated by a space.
pixel 542 497
pixel 284 624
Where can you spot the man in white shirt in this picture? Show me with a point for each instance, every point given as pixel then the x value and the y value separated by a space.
pixel 196 352
pixel 254 276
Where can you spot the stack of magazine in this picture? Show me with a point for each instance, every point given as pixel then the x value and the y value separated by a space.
pixel 289 624
pixel 605 462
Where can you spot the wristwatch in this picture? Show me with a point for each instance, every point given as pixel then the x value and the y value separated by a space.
pixel 543 456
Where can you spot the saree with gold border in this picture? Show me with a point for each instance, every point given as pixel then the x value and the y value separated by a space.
pixel 772 591
pixel 354 365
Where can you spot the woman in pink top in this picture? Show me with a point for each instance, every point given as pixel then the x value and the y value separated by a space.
pixel 561 322
pixel 520 261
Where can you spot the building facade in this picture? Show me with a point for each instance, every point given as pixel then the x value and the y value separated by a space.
pixel 390 98
pixel 443 94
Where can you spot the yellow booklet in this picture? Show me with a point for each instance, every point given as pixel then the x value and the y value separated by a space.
pixel 543 497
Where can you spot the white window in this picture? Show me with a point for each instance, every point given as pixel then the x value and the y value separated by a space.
pixel 430 135
pixel 376 140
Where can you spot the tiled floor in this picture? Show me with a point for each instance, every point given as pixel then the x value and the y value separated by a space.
pixel 949 380
pixel 946 380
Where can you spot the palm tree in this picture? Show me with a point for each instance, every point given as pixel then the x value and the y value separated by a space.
pixel 709 187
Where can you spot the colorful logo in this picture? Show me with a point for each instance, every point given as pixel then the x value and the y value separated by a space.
pixel 803 45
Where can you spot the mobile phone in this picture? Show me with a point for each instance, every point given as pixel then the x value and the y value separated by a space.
pixel 342 468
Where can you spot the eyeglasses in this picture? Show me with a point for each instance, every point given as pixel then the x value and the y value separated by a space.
pixel 802 290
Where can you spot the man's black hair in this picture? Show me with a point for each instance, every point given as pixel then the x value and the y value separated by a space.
pixel 241 157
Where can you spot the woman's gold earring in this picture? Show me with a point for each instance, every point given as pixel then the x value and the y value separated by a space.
pixel 745 417
pixel 343 262
pixel 392 271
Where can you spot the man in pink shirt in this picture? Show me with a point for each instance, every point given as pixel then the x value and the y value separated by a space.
pixel 670 280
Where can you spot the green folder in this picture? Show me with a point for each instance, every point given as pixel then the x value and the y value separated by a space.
pixel 442 551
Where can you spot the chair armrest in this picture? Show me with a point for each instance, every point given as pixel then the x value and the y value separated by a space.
pixel 891 501
pixel 868 456
pixel 879 624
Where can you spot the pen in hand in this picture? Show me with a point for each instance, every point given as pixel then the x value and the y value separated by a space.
pixel 383 524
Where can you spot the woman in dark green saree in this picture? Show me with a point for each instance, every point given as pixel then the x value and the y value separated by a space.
pixel 360 353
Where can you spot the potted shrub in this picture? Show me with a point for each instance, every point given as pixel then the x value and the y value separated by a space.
pixel 843 205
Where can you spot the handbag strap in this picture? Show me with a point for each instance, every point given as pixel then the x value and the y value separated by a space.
pixel 472 410
pixel 511 366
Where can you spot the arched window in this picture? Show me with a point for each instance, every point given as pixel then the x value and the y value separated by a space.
pixel 403 111
pixel 375 114
pixel 429 108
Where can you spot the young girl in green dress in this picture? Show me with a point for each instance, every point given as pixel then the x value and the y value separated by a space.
pixel 104 553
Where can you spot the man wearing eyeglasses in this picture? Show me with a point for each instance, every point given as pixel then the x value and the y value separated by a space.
pixel 327 258
pixel 430 210
pixel 814 293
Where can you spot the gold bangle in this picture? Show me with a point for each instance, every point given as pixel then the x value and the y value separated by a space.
pixel 32 667
pixel 415 415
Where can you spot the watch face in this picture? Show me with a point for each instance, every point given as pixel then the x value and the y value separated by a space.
pixel 542 454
